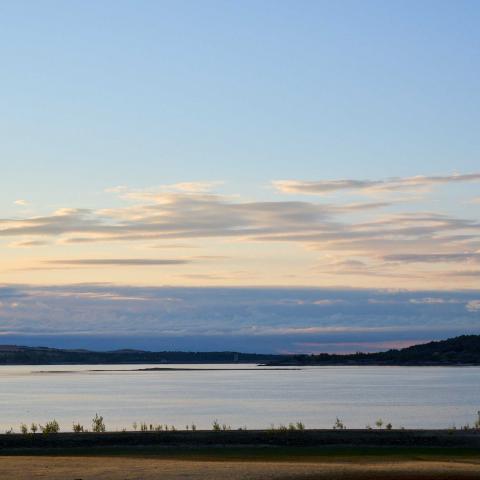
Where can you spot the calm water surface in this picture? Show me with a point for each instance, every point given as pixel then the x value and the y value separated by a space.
pixel 406 396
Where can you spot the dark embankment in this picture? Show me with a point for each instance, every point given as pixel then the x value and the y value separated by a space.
pixel 463 350
pixel 248 438
pixel 18 355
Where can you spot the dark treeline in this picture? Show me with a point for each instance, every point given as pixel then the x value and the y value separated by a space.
pixel 14 355
pixel 463 350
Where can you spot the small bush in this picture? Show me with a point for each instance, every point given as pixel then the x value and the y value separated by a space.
pixel 98 426
pixel 216 426
pixel 77 428
pixel 50 427
pixel 23 429
pixel 339 425
pixel 389 426
pixel 300 426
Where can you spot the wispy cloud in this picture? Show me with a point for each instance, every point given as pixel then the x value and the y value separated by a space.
pixel 368 187
pixel 473 306
pixel 121 262
pixel 28 244
pixel 371 239
pixel 434 257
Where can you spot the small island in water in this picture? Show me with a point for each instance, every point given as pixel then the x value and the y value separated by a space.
pixel 462 350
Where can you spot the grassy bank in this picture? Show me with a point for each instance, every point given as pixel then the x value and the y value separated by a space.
pixel 246 438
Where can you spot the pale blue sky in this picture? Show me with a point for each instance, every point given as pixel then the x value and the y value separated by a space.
pixel 344 137
pixel 143 93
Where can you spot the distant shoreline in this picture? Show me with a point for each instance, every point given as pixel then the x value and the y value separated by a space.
pixel 459 351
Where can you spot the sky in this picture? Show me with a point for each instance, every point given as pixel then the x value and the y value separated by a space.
pixel 313 150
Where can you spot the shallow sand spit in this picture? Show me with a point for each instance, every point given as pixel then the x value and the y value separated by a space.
pixel 118 468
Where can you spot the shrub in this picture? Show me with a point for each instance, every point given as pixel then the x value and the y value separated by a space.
pixel 339 425
pixel 50 427
pixel 216 426
pixel 389 426
pixel 98 426
pixel 77 428
pixel 34 427
pixel 300 426
pixel 23 429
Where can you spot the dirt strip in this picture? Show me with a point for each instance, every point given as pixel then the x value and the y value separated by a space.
pixel 117 468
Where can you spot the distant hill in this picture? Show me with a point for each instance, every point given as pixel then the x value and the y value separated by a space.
pixel 463 350
pixel 18 355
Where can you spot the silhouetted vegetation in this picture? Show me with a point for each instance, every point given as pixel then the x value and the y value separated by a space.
pixel 98 425
pixel 17 355
pixel 463 350
pixel 339 425
pixel 77 428
pixel 50 427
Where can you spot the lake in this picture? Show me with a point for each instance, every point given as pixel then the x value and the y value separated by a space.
pixel 410 397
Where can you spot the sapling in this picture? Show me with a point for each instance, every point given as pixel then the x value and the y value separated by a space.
pixel 98 426
pixel 339 425
pixel 77 428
